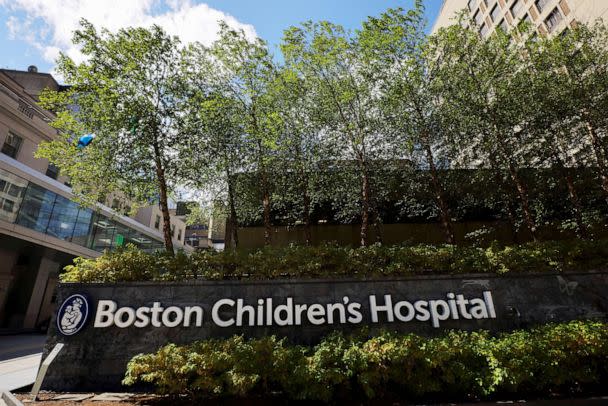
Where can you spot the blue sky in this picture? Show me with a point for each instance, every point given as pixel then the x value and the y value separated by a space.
pixel 32 32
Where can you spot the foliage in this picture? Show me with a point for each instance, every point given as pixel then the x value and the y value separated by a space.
pixel 378 125
pixel 555 358
pixel 129 93
pixel 130 264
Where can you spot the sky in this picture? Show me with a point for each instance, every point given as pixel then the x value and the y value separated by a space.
pixel 33 32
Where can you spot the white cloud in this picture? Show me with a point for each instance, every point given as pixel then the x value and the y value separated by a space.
pixel 48 24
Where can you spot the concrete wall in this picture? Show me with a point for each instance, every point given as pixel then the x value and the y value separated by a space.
pixel 96 358
pixel 432 233
pixel 586 11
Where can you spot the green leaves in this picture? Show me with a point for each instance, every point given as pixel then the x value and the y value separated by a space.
pixel 550 359
pixel 129 264
pixel 127 76
pixel 329 133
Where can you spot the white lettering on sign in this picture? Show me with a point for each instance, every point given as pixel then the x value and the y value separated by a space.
pixel 109 314
pixel 230 312
pixel 454 307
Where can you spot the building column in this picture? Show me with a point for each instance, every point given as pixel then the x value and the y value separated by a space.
pixel 7 261
pixel 47 267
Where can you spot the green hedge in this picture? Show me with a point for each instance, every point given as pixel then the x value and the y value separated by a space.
pixel 130 264
pixel 553 359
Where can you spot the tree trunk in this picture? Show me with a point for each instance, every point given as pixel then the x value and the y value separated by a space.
pixel 234 235
pixel 365 197
pixel 377 221
pixel 305 196
pixel 576 206
pixel 498 178
pixel 266 204
pixel 307 231
pixel 522 191
pixel 572 195
pixel 164 207
pixel 444 212
pixel 599 156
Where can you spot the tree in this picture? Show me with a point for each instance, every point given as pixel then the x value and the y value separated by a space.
pixel 551 120
pixel 484 85
pixel 394 47
pixel 328 59
pixel 299 147
pixel 217 154
pixel 244 70
pixel 129 92
pixel 576 64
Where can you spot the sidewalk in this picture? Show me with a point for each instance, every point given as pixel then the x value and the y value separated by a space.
pixel 19 360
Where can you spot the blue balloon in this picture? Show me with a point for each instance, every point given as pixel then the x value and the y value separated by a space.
pixel 85 140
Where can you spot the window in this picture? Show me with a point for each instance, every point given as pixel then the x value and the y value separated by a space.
pixel 157 222
pixel 483 30
pixel 541 4
pixel 12 189
pixel 503 25
pixel 495 12
pixel 7 205
pixel 478 17
pixel 63 219
pixel 52 171
pixel 82 227
pixel 527 19
pixel 516 8
pixel 472 4
pixel 36 208
pixel 179 234
pixel 172 230
pixel 102 233
pixel 11 145
pixel 553 19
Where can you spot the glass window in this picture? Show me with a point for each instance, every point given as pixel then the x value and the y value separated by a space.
pixel 123 236
pixel 541 4
pixel 553 19
pixel 141 241
pixel 516 8
pixel 472 4
pixel 157 222
pixel 483 30
pixel 12 189
pixel 11 145
pixel 179 234
pixel 52 171
pixel 172 230
pixel 36 208
pixel 503 25
pixel 478 17
pixel 494 14
pixel 82 227
pixel 63 219
pixel 8 205
pixel 102 233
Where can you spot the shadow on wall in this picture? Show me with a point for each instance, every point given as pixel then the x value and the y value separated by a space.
pixel 471 232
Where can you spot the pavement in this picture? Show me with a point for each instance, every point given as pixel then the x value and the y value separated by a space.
pixel 20 357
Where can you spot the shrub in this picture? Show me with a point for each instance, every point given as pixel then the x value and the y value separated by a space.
pixel 555 358
pixel 130 264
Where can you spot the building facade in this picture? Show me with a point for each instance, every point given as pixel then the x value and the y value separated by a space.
pixel 546 16
pixel 41 228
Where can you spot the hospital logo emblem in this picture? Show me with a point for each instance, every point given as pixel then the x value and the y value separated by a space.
pixel 72 315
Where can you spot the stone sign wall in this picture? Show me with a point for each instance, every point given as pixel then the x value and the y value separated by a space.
pixel 104 325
